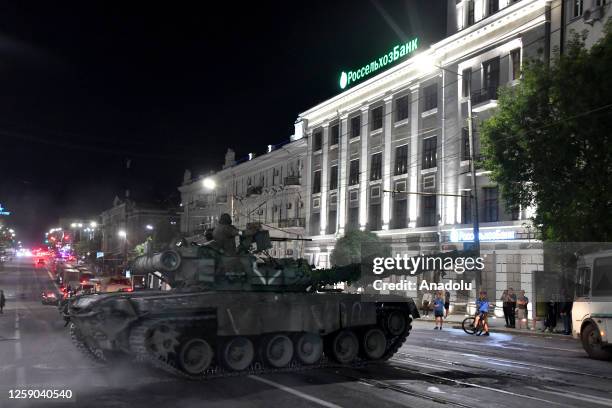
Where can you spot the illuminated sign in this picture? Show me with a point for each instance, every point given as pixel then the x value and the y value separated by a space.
pixel 2 212
pixel 398 52
pixel 99 254
pixel 489 235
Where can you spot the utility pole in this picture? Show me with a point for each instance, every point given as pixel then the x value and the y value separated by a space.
pixel 474 194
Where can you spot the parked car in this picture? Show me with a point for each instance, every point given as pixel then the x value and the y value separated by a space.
pixel 49 297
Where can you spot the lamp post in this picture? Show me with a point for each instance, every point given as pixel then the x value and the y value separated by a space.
pixel 123 234
pixel 474 193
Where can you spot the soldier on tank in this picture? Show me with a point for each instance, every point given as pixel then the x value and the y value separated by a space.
pixel 225 234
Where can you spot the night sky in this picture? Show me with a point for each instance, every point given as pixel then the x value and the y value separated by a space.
pixel 85 86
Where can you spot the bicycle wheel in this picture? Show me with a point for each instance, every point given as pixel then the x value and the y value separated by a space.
pixel 468 325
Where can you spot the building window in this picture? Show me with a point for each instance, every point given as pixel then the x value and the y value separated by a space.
pixel 376 167
pixel 353 219
pixel 465 82
pixel 515 212
pixel 354 172
pixel 355 126
pixel 334 135
pixel 493 6
pixel 515 57
pixel 401 108
pixel 315 224
pixel 465 144
pixel 317 141
pixel 491 204
pixel 470 12
pixel 491 78
pixel 466 207
pixel 431 97
pixel 374 218
pixel 400 211
pixel 430 152
pixel 333 177
pixel 316 182
pixel 331 221
pixel 375 192
pixel 401 160
pixel 316 203
pixel 376 118
pixel 428 204
pixel 578 8
pixel 353 196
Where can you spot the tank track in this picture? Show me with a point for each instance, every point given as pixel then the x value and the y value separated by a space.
pixel 95 356
pixel 142 355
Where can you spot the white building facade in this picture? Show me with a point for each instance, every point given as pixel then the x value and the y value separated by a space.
pixel 374 149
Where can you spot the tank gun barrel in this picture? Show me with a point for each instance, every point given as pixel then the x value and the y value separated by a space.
pixel 164 262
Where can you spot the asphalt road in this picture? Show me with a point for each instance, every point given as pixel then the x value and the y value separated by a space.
pixel 447 368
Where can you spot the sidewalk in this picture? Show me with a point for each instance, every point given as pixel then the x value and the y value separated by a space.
pixel 496 325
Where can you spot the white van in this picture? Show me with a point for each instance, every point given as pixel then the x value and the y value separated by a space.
pixel 592 309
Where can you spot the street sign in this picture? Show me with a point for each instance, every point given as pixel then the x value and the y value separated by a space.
pixel 99 255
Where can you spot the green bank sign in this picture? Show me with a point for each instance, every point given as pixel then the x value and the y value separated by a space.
pixel 398 52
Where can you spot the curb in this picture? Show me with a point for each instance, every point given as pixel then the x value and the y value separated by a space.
pixel 532 333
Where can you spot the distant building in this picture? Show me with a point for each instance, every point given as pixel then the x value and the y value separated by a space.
pixel 266 189
pixel 128 223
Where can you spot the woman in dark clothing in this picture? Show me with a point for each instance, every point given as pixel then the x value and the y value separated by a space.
pixel 506 307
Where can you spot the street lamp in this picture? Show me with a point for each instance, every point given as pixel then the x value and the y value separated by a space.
pixel 474 195
pixel 209 183
pixel 122 233
pixel 149 227
pixel 93 224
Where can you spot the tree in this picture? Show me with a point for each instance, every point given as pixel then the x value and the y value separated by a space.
pixel 549 143
pixel 358 247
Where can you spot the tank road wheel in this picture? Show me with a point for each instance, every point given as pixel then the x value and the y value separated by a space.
pixel 195 356
pixel 374 344
pixel 396 323
pixel 237 354
pixel 591 342
pixel 162 340
pixel 309 348
pixel 344 347
pixel 278 350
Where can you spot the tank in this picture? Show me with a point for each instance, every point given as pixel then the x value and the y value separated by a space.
pixel 247 313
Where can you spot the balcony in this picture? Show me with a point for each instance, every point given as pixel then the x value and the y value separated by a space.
pixel 253 190
pixel 484 99
pixel 292 181
pixel 292 223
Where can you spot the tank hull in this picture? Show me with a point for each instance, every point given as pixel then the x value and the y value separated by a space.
pixel 204 334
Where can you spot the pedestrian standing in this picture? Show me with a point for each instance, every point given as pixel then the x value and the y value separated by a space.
pixel 512 307
pixel 566 311
pixel 550 322
pixel 2 301
pixel 506 306
pixel 521 303
pixel 446 303
pixel 426 302
pixel 438 306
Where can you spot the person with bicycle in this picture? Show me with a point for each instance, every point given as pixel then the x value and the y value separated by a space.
pixel 482 312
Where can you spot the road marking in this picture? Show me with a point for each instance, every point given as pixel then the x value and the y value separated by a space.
pixel 295 392
pixel 590 399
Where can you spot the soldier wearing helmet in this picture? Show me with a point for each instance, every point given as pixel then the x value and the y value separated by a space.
pixel 225 234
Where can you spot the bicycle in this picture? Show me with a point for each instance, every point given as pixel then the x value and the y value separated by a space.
pixel 468 326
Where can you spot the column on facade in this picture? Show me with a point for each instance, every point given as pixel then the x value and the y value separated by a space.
pixel 388 127
pixel 414 157
pixel 342 167
pixel 363 169
pixel 308 183
pixel 324 158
